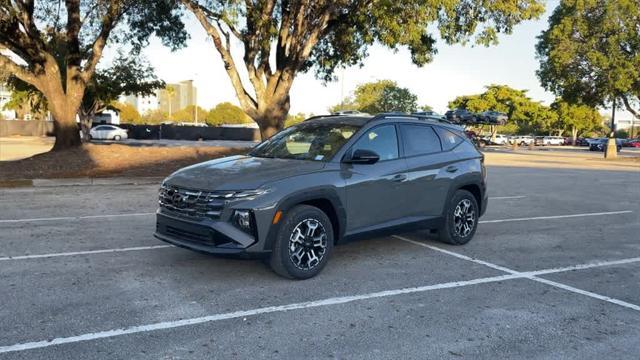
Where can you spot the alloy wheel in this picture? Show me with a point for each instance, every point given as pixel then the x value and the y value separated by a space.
pixel 464 218
pixel 307 244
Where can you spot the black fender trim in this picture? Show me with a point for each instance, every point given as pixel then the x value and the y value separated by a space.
pixel 314 193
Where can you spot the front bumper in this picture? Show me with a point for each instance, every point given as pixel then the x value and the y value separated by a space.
pixel 207 236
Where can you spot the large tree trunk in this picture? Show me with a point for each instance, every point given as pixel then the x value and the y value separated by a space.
pixel 67 133
pixel 271 116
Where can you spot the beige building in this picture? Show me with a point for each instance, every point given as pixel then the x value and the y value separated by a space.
pixel 175 97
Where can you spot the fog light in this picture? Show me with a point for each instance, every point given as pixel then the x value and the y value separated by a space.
pixel 242 219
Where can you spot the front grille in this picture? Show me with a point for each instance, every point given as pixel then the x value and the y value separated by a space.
pixel 191 203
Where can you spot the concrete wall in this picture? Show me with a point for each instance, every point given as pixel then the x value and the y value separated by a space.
pixel 26 128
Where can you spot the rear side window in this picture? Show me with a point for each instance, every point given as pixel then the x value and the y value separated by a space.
pixel 419 139
pixel 449 139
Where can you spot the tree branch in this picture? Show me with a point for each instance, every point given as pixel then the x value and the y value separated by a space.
pixel 248 103
pixel 20 71
pixel 108 22
pixel 627 105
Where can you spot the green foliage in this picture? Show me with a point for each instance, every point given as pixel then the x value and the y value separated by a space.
pixel 379 96
pixel 425 107
pixel 591 52
pixel 621 134
pixel 576 118
pixel 188 114
pixel 529 116
pixel 154 117
pixel 226 113
pixel 359 24
pixel 25 99
pixel 128 113
pixel 127 75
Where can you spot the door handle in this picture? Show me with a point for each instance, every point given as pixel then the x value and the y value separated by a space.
pixel 451 169
pixel 399 177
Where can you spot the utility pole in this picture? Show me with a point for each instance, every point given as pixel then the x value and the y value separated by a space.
pixel 611 152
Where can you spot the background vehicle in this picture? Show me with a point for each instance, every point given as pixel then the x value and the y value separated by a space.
pixel 460 116
pixel 493 117
pixel 549 140
pixel 108 132
pixel 632 143
pixel 601 144
pixel 582 142
pixel 521 140
pixel 499 139
pixel 347 177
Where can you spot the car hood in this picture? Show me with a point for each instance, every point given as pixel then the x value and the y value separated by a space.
pixel 239 173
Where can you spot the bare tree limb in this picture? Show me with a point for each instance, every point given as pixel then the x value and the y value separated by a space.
pixel 20 71
pixel 248 103
pixel 627 105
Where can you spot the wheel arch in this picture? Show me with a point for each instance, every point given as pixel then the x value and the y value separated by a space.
pixel 325 199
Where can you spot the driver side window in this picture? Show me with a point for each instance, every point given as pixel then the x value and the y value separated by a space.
pixel 382 140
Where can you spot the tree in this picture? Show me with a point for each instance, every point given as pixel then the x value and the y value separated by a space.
pixel 25 99
pixel 325 34
pixel 43 35
pixel 154 117
pixel 527 115
pixel 591 53
pixel 128 113
pixel 128 75
pixel 379 96
pixel 188 114
pixel 576 118
pixel 425 107
pixel 295 119
pixel 226 113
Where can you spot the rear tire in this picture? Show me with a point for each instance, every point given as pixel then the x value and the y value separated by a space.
pixel 303 244
pixel 461 219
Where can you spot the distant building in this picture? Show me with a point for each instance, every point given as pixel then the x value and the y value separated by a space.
pixel 175 97
pixel 143 104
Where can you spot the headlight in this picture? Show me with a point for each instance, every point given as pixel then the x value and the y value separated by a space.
pixel 243 219
pixel 248 193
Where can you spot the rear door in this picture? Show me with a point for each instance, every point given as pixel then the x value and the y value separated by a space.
pixel 431 167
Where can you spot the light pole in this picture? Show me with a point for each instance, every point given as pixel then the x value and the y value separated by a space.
pixel 611 152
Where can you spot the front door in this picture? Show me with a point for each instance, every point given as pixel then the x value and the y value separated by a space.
pixel 374 192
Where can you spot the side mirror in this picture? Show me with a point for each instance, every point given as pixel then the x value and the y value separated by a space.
pixel 362 156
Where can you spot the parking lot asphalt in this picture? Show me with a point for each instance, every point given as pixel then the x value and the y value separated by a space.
pixel 553 272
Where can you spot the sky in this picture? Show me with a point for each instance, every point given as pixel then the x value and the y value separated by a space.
pixel 456 70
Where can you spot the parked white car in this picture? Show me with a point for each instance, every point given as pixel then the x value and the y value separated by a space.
pixel 108 132
pixel 500 139
pixel 521 140
pixel 551 140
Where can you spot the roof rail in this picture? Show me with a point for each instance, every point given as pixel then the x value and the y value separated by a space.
pixel 321 116
pixel 417 116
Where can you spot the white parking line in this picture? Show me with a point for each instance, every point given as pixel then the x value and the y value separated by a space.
pixel 239 314
pixel 532 274
pixel 73 253
pixel 506 197
pixel 74 217
pixel 556 217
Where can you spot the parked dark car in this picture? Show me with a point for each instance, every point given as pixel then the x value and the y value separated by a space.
pixel 460 116
pixel 601 144
pixel 493 118
pixel 326 181
pixel 582 142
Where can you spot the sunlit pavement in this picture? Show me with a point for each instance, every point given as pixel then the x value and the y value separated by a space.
pixel 553 272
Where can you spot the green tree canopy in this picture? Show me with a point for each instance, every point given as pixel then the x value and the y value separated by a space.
pixel 226 113
pixel 56 46
pixel 591 52
pixel 188 114
pixel 527 115
pixel 577 119
pixel 280 39
pixel 379 96
pixel 128 113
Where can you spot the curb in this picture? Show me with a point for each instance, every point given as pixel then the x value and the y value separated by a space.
pixel 79 182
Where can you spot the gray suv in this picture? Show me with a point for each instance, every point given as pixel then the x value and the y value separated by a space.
pixel 326 181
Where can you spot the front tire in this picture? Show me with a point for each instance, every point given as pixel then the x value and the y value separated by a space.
pixel 304 243
pixel 117 138
pixel 461 219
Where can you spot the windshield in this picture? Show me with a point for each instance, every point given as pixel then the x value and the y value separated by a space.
pixel 317 142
